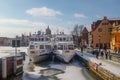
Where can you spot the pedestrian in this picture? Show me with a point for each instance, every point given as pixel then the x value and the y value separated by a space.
pixel 82 49
pixel 118 50
pixel 97 54
pixel 106 55
pixel 105 47
pixel 93 52
pixel 102 54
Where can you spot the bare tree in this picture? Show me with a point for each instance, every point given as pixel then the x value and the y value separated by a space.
pixel 77 34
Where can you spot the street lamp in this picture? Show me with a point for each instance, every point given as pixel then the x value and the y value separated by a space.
pixel 99 42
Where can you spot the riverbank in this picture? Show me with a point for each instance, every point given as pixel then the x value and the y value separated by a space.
pixel 107 70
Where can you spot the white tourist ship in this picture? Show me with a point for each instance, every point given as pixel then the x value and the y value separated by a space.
pixel 64 47
pixel 39 47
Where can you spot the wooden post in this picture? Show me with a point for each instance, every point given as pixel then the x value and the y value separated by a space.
pixel 15 64
pixel 4 69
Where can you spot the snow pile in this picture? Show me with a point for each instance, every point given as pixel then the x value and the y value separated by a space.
pixel 106 64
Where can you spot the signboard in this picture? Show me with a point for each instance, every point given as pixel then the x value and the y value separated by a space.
pixel 15 43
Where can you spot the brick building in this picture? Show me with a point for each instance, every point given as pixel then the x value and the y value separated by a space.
pixel 101 32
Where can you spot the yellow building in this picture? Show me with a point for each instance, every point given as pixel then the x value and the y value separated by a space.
pixel 115 37
pixel 101 33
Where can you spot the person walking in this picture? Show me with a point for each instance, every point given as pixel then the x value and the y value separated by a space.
pixel 102 54
pixel 106 55
pixel 97 54
pixel 118 50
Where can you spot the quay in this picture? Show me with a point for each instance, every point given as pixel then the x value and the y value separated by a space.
pixel 105 69
pixel 11 66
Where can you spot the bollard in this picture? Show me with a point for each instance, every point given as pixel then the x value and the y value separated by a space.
pixel 4 69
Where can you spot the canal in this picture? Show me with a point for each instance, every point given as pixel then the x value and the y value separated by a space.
pixel 55 70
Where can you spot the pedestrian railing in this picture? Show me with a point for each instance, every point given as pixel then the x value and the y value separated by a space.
pixel 102 73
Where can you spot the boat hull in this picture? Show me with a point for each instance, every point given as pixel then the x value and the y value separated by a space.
pixel 66 57
pixel 38 58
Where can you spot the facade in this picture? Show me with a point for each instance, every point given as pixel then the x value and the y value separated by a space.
pixel 115 37
pixel 24 39
pixel 5 41
pixel 84 37
pixel 89 39
pixel 101 33
pixel 48 31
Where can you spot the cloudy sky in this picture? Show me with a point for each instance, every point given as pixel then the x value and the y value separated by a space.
pixel 24 16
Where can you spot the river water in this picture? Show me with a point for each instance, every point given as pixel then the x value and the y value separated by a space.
pixel 49 70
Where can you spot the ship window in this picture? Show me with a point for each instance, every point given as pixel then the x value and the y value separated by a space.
pixel 32 39
pixel 64 39
pixel 70 47
pixel 60 39
pixel 47 39
pixel 47 46
pixel 42 39
pixel 60 47
pixel 41 46
pixel 55 47
pixel 35 39
pixel 31 46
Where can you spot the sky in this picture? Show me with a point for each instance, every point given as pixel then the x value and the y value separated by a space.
pixel 24 16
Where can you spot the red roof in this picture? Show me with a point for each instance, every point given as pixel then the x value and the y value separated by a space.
pixel 85 30
pixel 94 25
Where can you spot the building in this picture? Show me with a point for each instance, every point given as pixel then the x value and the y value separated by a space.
pixel 84 37
pixel 90 39
pixel 24 39
pixel 5 41
pixel 101 32
pixel 115 37
pixel 48 31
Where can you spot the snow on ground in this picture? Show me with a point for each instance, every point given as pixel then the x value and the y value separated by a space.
pixel 106 64
pixel 58 66
pixel 8 51
pixel 74 73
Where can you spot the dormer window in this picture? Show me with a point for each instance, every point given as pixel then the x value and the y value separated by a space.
pixel 105 23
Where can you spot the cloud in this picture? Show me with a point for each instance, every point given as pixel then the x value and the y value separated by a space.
pixel 26 23
pixel 43 11
pixel 13 27
pixel 77 15
pixel 98 16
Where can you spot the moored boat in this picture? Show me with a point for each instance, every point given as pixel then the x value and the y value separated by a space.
pixel 39 47
pixel 64 47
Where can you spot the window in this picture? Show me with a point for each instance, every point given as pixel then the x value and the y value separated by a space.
pixel 47 46
pixel 105 23
pixel 96 45
pixel 109 29
pixel 55 47
pixel 100 30
pixel 32 39
pixel 42 39
pixel 64 39
pixel 70 47
pixel 60 39
pixel 60 47
pixel 35 39
pixel 41 46
pixel 31 46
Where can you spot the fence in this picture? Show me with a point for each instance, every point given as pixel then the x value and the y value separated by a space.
pixel 99 71
pixel 11 65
